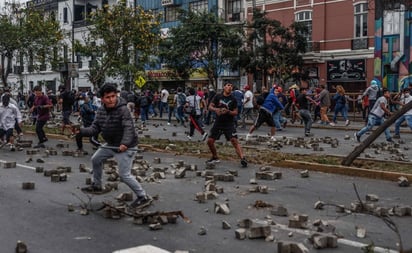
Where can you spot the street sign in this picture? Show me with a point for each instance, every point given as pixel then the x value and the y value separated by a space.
pixel 140 81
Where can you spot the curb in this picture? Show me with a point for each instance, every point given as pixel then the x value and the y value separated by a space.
pixel 344 170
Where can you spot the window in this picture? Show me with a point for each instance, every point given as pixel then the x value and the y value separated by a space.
pixel 234 6
pixel 198 6
pixel 391 20
pixel 305 17
pixel 171 13
pixel 361 20
pixel 65 16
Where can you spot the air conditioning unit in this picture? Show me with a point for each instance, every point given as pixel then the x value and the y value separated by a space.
pixel 167 2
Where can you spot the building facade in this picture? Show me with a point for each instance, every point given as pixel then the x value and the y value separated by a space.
pixel 232 11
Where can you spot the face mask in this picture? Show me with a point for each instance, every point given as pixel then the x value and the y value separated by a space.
pixel 81 102
pixel 407 95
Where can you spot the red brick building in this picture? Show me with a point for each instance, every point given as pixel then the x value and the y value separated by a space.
pixel 341 39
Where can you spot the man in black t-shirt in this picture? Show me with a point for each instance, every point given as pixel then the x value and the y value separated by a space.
pixel 66 101
pixel 302 102
pixel 225 107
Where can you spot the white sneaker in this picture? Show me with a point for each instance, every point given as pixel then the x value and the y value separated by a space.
pixel 168 123
pixel 273 138
pixel 347 122
pixel 189 137
pixel 204 136
pixel 331 124
pixel 247 137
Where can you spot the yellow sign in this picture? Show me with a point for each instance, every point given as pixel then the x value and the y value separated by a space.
pixel 140 81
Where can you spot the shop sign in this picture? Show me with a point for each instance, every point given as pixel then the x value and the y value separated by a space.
pixel 346 70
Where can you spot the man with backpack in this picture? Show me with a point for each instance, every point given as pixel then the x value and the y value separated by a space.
pixel 66 100
pixel 87 114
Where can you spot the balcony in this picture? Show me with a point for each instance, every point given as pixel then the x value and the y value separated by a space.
pixel 359 43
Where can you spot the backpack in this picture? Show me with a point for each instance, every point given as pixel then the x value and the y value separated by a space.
pixel 181 98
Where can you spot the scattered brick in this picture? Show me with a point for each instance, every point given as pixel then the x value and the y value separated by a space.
pixel 319 205
pixel 125 196
pixel 21 247
pixel 240 233
pixel 226 225
pixel 403 181
pixel 156 226
pixel 39 169
pixel 9 165
pixel 304 174
pixel 291 247
pixel 372 197
pixel 322 241
pixel 279 210
pixel 298 221
pixel 28 185
pixel 222 208
pixel 70 207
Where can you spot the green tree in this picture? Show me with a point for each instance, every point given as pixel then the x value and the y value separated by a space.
pixel 273 48
pixel 27 33
pixel 201 41
pixel 120 41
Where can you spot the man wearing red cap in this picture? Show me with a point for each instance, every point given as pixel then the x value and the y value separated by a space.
pixel 247 106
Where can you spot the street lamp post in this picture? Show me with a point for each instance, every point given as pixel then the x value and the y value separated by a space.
pixel 72 69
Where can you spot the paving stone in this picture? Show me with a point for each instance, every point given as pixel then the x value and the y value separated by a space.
pixel 202 231
pixel 324 227
pixel 291 247
pixel 240 233
pixel 21 247
pixel 268 175
pixel 39 160
pixel 322 241
pixel 156 226
pixel 279 210
pixel 62 177
pixel 180 173
pixel 28 185
pixel 304 174
pixel 381 211
pixel 298 221
pixel 259 230
pixel 32 152
pixel 88 180
pixel 39 169
pixel 372 197
pixel 67 152
pixel 9 165
pixel 226 225
pixel 319 205
pixel 340 208
pixel 245 223
pixel 82 168
pixel 55 178
pixel 360 232
pixel 48 173
pixel 70 207
pixel 222 208
pixel 402 211
pixel 403 181
pixel 125 196
pixel 156 160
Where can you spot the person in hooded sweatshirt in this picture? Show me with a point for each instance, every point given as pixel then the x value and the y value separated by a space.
pixel 116 125
pixel 373 93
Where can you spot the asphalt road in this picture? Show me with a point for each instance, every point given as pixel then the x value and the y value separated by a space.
pixel 41 219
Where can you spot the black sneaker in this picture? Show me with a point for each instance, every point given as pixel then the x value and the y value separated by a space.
pixel 141 202
pixel 308 134
pixel 357 137
pixel 40 145
pixel 213 160
pixel 389 140
pixel 243 162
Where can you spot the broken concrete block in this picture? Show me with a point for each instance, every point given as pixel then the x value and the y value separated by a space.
pixel 226 225
pixel 180 173
pixel 372 197
pixel 63 177
pixel 9 165
pixel 270 238
pixel 291 247
pixel 55 178
pixel 319 205
pixel 268 175
pixel 322 241
pixel 28 185
pixel 21 247
pixel 403 181
pixel 402 211
pixel 155 226
pixel 39 160
pixel 324 227
pixel 202 231
pixel 279 210
pixel 304 174
pixel 222 208
pixel 245 223
pixel 298 221
pixel 156 160
pixel 70 207
pixel 39 169
pixel 259 230
pixel 340 208
pixel 125 196
pixel 252 181
pixel 240 233
pixel 360 232
pixel 67 153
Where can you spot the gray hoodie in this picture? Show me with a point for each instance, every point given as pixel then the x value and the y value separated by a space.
pixel 371 92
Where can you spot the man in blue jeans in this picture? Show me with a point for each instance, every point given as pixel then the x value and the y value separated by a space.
pixel 406 98
pixel 114 122
pixel 376 116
